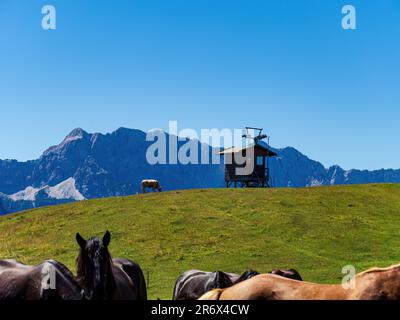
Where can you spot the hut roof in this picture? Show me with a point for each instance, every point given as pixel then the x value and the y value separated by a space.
pixel 266 151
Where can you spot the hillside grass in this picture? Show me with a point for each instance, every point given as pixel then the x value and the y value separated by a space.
pixel 314 230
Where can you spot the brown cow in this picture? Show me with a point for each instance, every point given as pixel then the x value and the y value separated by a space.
pixel 150 183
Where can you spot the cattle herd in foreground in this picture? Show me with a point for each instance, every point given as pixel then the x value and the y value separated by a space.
pixel 99 277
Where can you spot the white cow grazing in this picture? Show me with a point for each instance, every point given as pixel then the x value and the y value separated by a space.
pixel 150 183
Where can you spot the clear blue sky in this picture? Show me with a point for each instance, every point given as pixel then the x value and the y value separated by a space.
pixel 287 66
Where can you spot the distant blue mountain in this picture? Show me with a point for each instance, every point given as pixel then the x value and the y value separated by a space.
pixel 86 166
pixel 291 168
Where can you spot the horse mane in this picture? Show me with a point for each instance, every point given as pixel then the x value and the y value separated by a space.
pixel 64 270
pixel 66 274
pixel 80 266
pixel 212 295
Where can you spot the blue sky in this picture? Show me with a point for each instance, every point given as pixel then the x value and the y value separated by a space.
pixel 287 66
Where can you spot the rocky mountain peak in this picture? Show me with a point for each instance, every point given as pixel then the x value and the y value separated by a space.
pixel 77 133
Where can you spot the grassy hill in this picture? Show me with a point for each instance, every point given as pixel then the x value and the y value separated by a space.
pixel 314 230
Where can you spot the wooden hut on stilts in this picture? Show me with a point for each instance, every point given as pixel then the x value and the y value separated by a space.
pixel 236 158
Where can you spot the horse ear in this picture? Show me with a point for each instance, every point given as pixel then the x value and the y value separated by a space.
pixel 107 238
pixel 81 241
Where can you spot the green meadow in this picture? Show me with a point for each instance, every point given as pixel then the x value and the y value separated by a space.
pixel 317 231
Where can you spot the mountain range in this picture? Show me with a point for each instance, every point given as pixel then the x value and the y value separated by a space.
pixel 85 166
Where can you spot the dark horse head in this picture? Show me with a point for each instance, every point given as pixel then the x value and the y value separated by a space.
pixel 94 267
pixel 290 273
pixel 247 275
pixel 219 280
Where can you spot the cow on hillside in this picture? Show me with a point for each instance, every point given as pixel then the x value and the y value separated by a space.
pixel 150 183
